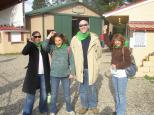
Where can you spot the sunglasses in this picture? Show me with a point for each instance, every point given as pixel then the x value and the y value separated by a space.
pixel 83 25
pixel 37 36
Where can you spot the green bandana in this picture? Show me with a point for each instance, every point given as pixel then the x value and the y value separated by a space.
pixel 126 44
pixel 38 45
pixel 82 36
pixel 117 46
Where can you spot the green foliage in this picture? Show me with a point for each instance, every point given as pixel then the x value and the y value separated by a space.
pixel 149 77
pixel 37 4
pixel 103 6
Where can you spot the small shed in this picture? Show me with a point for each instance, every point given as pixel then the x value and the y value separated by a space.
pixel 64 18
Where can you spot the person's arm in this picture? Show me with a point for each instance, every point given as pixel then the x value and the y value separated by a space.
pixel 46 46
pixel 72 63
pixel 27 49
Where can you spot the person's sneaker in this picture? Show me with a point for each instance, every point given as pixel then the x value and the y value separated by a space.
pixel 52 114
pixel 83 111
pixel 71 113
pixel 95 110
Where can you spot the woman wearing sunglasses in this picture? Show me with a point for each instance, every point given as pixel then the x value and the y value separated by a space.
pixel 37 75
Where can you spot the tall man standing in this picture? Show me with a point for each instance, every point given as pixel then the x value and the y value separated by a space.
pixel 87 53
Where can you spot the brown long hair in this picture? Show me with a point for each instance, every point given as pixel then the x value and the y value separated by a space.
pixel 60 35
pixel 117 37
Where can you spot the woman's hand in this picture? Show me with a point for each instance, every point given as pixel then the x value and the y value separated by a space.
pixel 51 34
pixel 70 77
pixel 113 66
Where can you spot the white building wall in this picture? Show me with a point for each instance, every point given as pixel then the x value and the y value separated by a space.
pixel 12 15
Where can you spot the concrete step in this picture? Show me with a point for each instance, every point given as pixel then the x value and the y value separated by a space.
pixel 151 69
pixel 151 58
pixel 149 74
pixel 144 69
pixel 148 63
pixel 142 74
pixel 139 74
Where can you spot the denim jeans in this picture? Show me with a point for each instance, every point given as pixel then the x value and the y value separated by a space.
pixel 55 81
pixel 120 85
pixel 30 98
pixel 88 96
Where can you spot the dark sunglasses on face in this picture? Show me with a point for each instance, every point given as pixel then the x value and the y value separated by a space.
pixel 83 25
pixel 37 36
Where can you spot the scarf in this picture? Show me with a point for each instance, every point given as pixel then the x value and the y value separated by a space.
pixel 117 46
pixel 38 45
pixel 82 36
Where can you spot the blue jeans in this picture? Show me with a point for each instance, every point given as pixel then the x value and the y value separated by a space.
pixel 120 85
pixel 54 92
pixel 88 96
pixel 30 98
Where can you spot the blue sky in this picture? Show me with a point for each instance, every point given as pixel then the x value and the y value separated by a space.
pixel 28 5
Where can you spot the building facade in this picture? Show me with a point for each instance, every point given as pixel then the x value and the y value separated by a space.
pixel 137 24
pixel 63 18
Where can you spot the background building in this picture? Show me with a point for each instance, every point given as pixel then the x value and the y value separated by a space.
pixel 12 33
pixel 136 23
pixel 63 18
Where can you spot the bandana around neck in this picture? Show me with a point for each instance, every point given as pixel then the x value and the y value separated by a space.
pixel 82 36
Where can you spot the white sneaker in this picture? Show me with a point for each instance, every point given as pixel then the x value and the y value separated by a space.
pixel 71 113
pixel 52 114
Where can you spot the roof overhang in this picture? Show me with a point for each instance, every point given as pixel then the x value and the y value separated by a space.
pixel 12 29
pixel 115 20
pixel 8 3
pixel 122 9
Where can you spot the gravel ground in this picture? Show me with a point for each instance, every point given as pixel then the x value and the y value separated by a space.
pixel 140 93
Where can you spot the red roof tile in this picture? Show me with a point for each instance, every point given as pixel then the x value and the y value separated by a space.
pixel 11 28
pixel 141 25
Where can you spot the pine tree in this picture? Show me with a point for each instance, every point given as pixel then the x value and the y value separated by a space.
pixel 40 4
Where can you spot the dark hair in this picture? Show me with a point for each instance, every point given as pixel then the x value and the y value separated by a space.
pixel 60 35
pixel 35 32
pixel 117 37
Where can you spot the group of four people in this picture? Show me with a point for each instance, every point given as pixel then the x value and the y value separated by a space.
pixel 78 61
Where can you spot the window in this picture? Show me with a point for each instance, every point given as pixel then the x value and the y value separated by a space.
pixel 16 37
pixel 139 39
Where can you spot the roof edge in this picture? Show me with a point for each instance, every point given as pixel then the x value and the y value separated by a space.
pixel 126 8
pixel 53 8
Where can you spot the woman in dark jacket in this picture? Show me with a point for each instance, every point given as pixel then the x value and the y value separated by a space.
pixel 37 75
pixel 120 60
